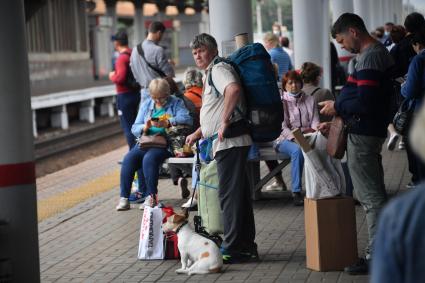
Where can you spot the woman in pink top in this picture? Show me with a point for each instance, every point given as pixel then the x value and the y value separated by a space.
pixel 300 111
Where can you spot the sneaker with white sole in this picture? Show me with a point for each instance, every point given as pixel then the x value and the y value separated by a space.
pixel 392 141
pixel 149 202
pixel 276 187
pixel 124 204
pixel 187 204
pixel 401 145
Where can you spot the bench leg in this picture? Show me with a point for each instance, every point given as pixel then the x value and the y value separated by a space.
pixel 262 181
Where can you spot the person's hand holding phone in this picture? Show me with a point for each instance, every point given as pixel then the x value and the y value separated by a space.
pixel 156 122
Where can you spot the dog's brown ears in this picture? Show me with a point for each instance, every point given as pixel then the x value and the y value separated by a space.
pixel 179 218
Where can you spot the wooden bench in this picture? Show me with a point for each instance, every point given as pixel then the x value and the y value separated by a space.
pixel 256 182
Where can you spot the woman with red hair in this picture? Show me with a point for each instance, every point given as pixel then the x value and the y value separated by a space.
pixel 301 112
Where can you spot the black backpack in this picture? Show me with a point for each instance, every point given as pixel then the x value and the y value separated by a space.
pixel 130 81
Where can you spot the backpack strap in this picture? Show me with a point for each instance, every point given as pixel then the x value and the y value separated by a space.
pixel 210 80
pixel 142 54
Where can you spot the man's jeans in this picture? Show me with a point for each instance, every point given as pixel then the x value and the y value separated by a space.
pixel 293 151
pixel 148 161
pixel 365 165
pixel 128 105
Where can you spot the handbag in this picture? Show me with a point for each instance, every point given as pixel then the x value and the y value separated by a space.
pixel 403 117
pixel 337 138
pixel 157 141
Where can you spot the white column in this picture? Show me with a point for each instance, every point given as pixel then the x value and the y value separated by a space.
pixel 259 18
pixel 34 123
pixel 398 11
pixel 228 18
pixel 386 13
pixel 18 202
pixel 363 9
pixel 139 27
pixel 376 13
pixel 307 14
pixel 339 7
pixel 59 117
pixel 87 111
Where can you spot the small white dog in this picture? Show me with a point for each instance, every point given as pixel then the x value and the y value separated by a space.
pixel 199 255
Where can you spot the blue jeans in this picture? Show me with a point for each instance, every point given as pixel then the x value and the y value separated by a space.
pixel 293 151
pixel 128 105
pixel 148 161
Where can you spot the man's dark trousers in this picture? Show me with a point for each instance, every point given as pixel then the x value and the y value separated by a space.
pixel 235 199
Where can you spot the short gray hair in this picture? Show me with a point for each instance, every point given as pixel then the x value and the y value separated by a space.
pixel 205 40
pixel 159 86
pixel 192 77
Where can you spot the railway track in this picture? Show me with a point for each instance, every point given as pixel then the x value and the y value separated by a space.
pixel 76 137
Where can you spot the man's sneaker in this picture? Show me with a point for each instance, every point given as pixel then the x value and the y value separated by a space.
pixel 392 141
pixel 187 204
pixel 360 267
pixel 251 254
pixel 182 182
pixel 401 145
pixel 124 204
pixel 230 257
pixel 298 199
pixel 411 185
pixel 136 197
pixel 276 187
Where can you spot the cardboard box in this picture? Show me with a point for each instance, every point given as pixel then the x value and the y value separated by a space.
pixel 331 237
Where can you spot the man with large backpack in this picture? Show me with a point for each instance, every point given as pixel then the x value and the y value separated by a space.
pixel 128 97
pixel 223 105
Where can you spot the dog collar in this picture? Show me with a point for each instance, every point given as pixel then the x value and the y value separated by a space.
pixel 181 226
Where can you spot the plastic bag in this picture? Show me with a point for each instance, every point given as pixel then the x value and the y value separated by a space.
pixel 324 176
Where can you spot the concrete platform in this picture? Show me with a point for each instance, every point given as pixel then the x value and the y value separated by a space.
pixel 91 242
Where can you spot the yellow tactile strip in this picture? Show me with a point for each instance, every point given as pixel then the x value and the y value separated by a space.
pixel 62 201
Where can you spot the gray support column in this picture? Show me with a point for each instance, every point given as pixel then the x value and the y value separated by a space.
pixel 363 9
pixel 87 111
pixel 307 14
pixel 339 7
pixel 19 254
pixel 59 117
pixel 139 27
pixel 111 12
pixel 228 18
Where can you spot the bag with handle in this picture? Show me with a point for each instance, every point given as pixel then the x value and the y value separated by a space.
pixel 151 242
pixel 337 138
pixel 264 117
pixel 157 141
pixel 403 117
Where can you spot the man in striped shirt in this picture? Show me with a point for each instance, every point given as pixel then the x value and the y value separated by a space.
pixel 364 104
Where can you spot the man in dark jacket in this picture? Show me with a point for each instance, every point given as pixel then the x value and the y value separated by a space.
pixel 364 104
